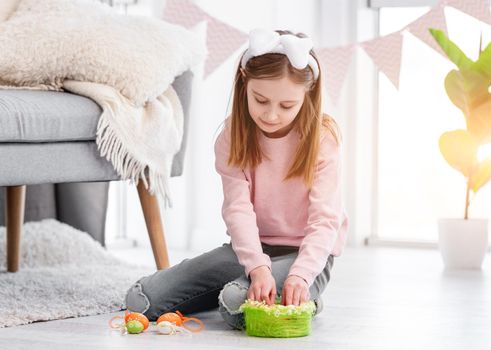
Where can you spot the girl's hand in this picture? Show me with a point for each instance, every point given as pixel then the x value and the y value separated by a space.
pixel 263 285
pixel 295 291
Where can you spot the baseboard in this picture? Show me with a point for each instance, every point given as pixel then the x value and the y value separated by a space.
pixel 378 242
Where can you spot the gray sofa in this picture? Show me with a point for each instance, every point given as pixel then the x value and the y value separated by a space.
pixel 49 137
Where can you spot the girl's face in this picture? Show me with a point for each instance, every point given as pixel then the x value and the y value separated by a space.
pixel 274 104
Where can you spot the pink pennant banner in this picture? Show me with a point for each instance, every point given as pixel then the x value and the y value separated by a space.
pixel 386 53
pixel 335 63
pixel 435 18
pixel 478 9
pixel 221 40
pixel 183 12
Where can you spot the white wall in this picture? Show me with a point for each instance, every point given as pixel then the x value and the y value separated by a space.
pixel 195 220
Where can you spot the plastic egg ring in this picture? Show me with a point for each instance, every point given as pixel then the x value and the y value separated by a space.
pixel 179 320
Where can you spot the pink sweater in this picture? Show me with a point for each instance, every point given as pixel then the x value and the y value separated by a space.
pixel 260 207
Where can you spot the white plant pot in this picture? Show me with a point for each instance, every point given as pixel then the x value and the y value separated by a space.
pixel 463 243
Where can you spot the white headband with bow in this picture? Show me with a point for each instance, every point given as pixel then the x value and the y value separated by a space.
pixel 262 41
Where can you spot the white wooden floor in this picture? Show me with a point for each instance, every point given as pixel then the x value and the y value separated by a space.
pixel 378 298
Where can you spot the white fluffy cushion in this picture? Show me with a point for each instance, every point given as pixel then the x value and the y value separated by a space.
pixel 44 42
pixel 7 7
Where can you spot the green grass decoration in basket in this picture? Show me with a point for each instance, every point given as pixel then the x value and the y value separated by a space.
pixel 277 321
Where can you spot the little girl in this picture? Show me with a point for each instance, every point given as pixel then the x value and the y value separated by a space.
pixel 279 159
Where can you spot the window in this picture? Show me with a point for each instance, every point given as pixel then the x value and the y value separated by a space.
pixel 416 186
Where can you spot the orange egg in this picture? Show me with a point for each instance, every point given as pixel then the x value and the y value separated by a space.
pixel 171 317
pixel 138 317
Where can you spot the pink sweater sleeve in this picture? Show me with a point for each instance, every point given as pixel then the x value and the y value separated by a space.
pixel 237 210
pixel 325 214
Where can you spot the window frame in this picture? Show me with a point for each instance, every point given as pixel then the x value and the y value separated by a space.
pixel 373 238
pixel 377 4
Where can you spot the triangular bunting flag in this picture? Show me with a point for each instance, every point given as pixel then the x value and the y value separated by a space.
pixel 335 63
pixel 386 53
pixel 435 18
pixel 183 12
pixel 221 40
pixel 478 9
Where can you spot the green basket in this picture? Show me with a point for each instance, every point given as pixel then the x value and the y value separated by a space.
pixel 277 321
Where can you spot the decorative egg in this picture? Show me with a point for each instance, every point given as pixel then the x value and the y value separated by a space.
pixel 165 327
pixel 170 317
pixel 134 327
pixel 138 317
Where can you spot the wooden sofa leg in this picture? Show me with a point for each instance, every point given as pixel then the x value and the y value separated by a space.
pixel 14 219
pixel 151 212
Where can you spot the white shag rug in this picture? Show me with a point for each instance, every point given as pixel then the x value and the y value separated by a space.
pixel 63 273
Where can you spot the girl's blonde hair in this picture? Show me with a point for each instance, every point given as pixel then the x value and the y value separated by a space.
pixel 309 122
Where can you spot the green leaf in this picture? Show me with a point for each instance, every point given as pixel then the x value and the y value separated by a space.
pixel 459 148
pixel 482 175
pixel 479 121
pixel 466 89
pixel 483 64
pixel 453 52
pixel 458 91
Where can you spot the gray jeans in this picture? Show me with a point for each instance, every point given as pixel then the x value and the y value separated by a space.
pixel 213 279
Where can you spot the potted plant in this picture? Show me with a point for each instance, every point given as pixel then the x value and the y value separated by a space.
pixel 463 242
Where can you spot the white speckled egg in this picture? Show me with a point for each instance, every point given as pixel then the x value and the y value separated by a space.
pixel 165 327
